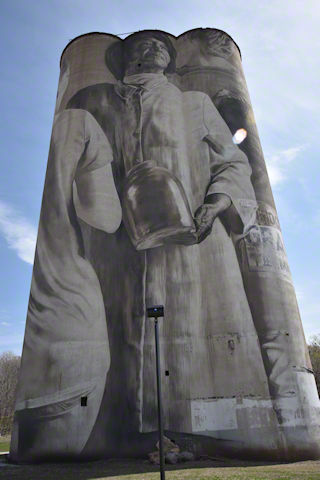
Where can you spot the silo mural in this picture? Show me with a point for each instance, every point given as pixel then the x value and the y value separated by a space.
pixel 156 192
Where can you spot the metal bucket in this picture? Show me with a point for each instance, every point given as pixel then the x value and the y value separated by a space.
pixel 155 208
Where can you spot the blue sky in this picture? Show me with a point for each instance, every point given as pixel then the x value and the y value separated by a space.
pixel 280 44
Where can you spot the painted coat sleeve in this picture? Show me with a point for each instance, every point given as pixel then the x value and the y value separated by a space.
pixel 95 197
pixel 230 169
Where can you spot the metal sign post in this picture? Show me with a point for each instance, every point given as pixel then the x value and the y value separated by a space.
pixel 158 312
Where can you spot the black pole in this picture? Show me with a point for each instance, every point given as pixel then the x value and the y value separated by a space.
pixel 160 419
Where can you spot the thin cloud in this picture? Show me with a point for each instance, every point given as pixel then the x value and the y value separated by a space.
pixel 278 163
pixel 18 232
pixel 11 342
pixel 281 68
pixel 309 306
pixel 4 315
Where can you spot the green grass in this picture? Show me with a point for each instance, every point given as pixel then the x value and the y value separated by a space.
pixel 142 470
pixel 4 444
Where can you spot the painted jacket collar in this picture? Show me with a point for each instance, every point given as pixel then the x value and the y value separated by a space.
pixel 139 82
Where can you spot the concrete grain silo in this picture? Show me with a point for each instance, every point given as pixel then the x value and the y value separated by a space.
pixel 152 198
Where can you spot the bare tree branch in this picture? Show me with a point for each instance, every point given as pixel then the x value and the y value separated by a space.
pixel 9 369
pixel 314 352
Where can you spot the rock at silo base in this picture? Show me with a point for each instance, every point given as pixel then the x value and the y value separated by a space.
pixel 154 457
pixel 186 456
pixel 172 453
pixel 172 458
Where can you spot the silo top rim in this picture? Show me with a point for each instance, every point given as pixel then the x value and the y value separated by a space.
pixel 146 30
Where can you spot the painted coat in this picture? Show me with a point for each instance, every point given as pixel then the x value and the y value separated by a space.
pixel 200 285
pixel 66 350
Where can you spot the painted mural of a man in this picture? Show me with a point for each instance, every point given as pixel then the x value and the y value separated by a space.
pixel 147 118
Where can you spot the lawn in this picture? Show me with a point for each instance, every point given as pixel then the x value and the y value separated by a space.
pixel 142 470
pixel 4 443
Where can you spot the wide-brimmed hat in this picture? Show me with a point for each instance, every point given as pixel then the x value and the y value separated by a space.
pixel 115 55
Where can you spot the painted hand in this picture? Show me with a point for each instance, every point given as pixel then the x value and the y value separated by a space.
pixel 208 212
pixel 204 218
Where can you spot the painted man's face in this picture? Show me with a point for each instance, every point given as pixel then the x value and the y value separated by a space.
pixel 149 52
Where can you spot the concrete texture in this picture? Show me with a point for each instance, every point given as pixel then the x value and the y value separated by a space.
pixel 149 120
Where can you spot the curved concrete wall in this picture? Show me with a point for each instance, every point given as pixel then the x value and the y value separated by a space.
pixel 145 131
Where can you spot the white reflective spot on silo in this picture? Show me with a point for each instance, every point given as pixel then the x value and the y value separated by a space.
pixel 239 136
